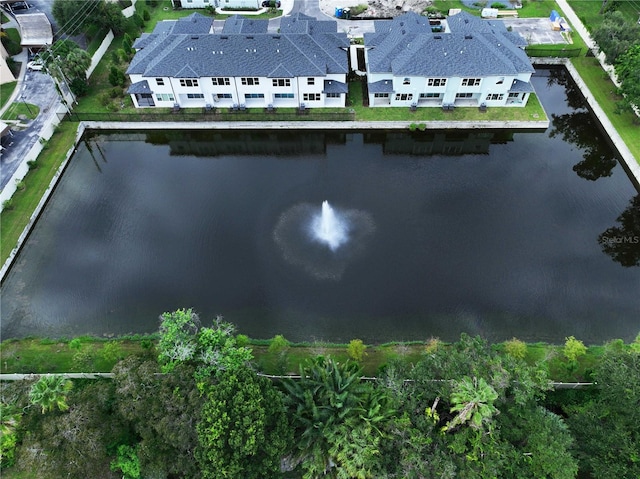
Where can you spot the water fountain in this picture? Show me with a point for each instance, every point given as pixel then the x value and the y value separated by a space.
pixel 324 242
pixel 328 228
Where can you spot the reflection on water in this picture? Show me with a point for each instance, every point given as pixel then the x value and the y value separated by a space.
pixel 580 128
pixel 622 242
pixel 487 233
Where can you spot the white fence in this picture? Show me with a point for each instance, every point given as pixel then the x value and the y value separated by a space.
pixel 97 56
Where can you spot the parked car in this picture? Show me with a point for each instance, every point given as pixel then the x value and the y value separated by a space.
pixel 35 65
pixel 19 6
pixel 269 3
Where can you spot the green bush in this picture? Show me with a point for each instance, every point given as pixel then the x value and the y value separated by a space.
pixel 356 350
pixel 146 16
pixel 515 348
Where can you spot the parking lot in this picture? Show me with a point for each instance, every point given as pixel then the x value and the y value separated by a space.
pixel 535 31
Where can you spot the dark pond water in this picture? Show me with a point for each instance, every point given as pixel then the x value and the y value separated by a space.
pixel 501 234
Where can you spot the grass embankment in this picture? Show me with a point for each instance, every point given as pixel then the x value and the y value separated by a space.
pixel 17 109
pixel 88 354
pixel 533 111
pixel 11 41
pixel 6 91
pixel 24 202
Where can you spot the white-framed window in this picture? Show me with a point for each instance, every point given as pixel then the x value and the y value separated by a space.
pixel 160 81
pixel 406 81
pixel 470 81
pixel 188 82
pixel 464 95
pixel 436 81
pixel 281 82
pixel 221 81
pixel 165 97
pixel 332 95
pixel 430 95
pixel 311 97
pixel 194 96
pixel 283 95
pixel 380 95
pixel 495 96
pixel 253 95
pixel 500 81
pixel 311 81
pixel 222 96
pixel 514 95
pixel 404 96
pixel 250 81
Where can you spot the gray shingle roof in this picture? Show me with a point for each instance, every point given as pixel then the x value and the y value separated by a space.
pixel 260 54
pixel 239 24
pixel 474 48
pixel 139 87
pixel 382 86
pixel 333 86
pixel 520 86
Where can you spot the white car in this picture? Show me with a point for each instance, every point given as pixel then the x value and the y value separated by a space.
pixel 36 66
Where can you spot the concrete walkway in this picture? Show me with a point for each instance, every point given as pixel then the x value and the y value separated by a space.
pixel 316 125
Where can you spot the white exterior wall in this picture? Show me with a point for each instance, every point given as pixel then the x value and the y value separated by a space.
pixel 212 94
pixel 197 3
pixel 417 85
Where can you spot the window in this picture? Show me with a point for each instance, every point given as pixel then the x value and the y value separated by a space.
pixel 470 81
pixel 250 80
pixel 332 95
pixel 283 95
pixel 160 81
pixel 500 81
pixel 281 82
pixel 164 97
pixel 464 95
pixel 436 82
pixel 430 95
pixel 380 95
pixel 495 96
pixel 253 95
pixel 404 96
pixel 311 96
pixel 188 82
pixel 514 95
pixel 406 81
pixel 221 96
pixel 311 81
pixel 194 96
pixel 220 81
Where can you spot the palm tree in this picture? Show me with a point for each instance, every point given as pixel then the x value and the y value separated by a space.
pixel 50 392
pixel 336 417
pixel 9 418
pixel 472 399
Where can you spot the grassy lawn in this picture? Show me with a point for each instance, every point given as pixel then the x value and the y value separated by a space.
pixel 6 91
pixel 12 41
pixel 164 11
pixel 20 108
pixel 24 202
pixel 530 8
pixel 45 355
pixel 532 112
pixel 605 92
pixel 588 11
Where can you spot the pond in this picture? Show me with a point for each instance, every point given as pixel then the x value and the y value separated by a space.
pixel 502 234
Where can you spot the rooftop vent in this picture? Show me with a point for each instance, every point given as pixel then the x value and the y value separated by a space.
pixel 438 37
pixel 224 37
pixel 194 37
pixel 249 38
pixel 468 37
